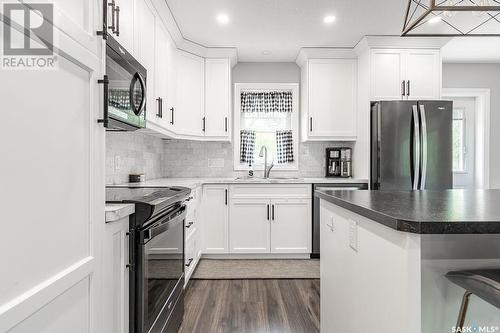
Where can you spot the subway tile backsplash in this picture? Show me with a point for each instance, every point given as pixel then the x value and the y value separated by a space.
pixel 135 152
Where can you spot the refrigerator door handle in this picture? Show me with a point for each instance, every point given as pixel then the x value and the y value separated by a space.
pixel 415 145
pixel 424 147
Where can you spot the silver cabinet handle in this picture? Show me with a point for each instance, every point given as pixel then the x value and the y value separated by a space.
pixel 415 145
pixel 172 110
pixel 117 31
pixel 424 147
pixel 112 5
pixel 272 213
pixel 310 124
pixel 403 90
pixel 408 88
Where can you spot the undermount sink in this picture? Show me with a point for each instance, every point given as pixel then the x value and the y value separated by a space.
pixel 261 179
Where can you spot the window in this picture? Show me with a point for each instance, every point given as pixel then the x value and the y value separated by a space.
pixel 459 142
pixel 266 115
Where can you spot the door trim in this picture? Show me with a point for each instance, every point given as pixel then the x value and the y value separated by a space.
pixel 482 130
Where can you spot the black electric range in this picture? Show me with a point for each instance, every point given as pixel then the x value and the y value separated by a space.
pixel 156 255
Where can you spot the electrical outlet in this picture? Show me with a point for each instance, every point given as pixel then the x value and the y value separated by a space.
pixel 215 162
pixel 353 235
pixel 118 163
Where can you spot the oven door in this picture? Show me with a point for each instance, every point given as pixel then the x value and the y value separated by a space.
pixel 161 269
pixel 126 89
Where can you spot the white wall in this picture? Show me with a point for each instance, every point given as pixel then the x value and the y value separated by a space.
pixel 266 72
pixel 481 76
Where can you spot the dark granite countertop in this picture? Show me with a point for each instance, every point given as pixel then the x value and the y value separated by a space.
pixel 425 212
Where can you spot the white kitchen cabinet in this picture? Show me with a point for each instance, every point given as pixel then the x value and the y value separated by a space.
pixel 190 94
pixel 215 219
pixel 116 276
pixel 217 97
pixel 329 100
pixel 405 74
pixel 161 111
pixel 291 226
pixel 192 234
pixel 145 29
pixel 121 22
pixel 249 226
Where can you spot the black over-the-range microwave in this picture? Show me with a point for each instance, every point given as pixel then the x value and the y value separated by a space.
pixel 124 89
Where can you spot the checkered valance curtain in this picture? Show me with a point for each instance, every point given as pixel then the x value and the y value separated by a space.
pixel 247 146
pixel 284 146
pixel 270 101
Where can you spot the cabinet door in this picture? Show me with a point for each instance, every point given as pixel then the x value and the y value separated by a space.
pixel 161 75
pixel 249 230
pixel 189 110
pixel 332 98
pixel 423 74
pixel 387 67
pixel 217 97
pixel 145 36
pixel 291 226
pixel 116 276
pixel 124 22
pixel 215 219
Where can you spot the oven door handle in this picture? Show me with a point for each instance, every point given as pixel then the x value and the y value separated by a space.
pixel 159 228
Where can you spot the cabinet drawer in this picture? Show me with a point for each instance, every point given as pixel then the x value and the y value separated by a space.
pixel 270 191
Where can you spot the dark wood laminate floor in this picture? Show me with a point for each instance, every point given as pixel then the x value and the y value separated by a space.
pixel 274 306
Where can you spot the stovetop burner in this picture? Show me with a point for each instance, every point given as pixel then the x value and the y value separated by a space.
pixel 149 201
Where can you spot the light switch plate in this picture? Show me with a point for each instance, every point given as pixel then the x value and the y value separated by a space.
pixel 215 162
pixel 353 235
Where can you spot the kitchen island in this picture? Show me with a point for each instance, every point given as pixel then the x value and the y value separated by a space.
pixel 384 256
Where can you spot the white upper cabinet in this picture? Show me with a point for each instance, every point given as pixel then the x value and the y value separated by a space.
pixel 329 99
pixel 217 97
pixel 423 74
pixel 405 74
pixel 145 19
pixel 387 74
pixel 190 94
pixel 121 22
pixel 162 113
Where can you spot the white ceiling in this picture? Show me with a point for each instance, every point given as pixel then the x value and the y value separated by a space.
pixel 284 26
pixel 472 49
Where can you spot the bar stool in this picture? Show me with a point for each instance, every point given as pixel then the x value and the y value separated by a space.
pixel 484 283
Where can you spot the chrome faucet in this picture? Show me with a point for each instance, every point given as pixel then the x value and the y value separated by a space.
pixel 263 153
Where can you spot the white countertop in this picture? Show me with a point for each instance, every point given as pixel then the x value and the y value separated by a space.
pixel 197 182
pixel 115 212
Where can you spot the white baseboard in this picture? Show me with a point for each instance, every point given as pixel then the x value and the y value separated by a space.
pixel 256 256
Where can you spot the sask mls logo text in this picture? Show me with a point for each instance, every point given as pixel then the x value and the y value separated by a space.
pixel 28 36
pixel 475 329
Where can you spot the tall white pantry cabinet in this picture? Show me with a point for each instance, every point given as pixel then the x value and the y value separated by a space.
pixel 53 151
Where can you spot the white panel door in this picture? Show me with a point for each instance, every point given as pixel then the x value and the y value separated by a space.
pixel 249 229
pixel 116 276
pixel 332 98
pixel 190 91
pixel 124 23
pixel 145 29
pixel 291 226
pixel 161 75
pixel 423 74
pixel 387 75
pixel 215 219
pixel 217 97
pixel 53 151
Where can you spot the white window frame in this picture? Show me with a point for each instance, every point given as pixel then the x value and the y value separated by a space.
pixel 464 141
pixel 238 88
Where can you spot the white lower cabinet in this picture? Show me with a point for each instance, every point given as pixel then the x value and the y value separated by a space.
pixel 291 226
pixel 192 234
pixel 249 226
pixel 215 219
pixel 116 276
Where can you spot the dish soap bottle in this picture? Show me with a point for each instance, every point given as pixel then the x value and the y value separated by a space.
pixel 250 171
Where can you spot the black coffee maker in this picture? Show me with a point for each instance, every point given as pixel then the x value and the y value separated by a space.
pixel 339 162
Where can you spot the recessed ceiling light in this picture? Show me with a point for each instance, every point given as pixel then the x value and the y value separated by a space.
pixel 435 20
pixel 329 19
pixel 222 18
pixel 266 52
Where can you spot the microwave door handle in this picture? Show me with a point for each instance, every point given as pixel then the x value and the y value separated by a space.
pixel 137 110
pixel 415 150
pixel 424 147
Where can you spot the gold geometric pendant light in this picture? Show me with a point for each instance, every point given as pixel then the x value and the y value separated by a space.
pixel 433 18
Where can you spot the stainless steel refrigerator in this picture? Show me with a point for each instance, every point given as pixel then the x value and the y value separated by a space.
pixel 411 145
